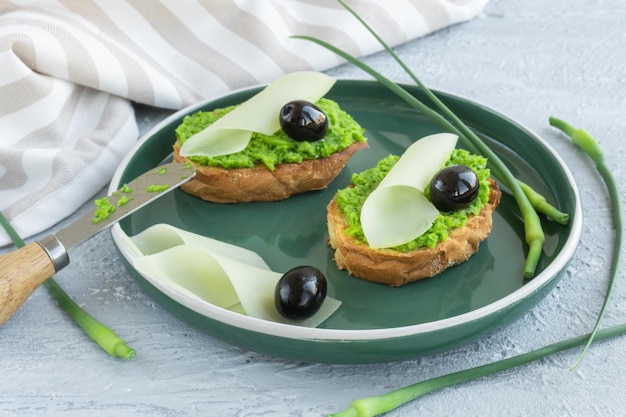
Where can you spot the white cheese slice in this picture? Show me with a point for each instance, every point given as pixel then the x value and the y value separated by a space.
pixel 208 270
pixel 232 132
pixel 397 211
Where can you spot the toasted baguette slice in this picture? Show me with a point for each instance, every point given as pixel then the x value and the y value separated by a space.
pixel 240 185
pixel 388 266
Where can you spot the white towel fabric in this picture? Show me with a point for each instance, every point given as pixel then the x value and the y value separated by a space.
pixel 70 69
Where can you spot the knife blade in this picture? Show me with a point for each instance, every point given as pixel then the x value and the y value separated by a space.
pixel 23 270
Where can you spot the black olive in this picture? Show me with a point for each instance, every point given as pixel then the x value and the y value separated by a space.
pixel 454 188
pixel 300 292
pixel 303 121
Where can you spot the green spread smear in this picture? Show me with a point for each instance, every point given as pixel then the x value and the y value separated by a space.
pixel 156 188
pixel 104 208
pixel 270 151
pixel 123 200
pixel 351 199
pixel 124 190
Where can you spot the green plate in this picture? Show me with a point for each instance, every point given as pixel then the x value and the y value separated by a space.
pixel 375 323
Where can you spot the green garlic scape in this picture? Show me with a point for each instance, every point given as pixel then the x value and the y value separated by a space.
pixel 530 204
pixel 590 146
pixel 380 404
pixel 98 332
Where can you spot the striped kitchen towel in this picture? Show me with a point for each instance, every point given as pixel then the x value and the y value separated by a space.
pixel 71 69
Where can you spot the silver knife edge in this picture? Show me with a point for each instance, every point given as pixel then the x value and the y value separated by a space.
pixel 173 175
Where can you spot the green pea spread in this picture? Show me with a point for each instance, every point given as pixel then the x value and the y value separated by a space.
pixel 351 199
pixel 104 208
pixel 270 151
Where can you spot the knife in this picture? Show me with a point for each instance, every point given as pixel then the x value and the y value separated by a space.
pixel 22 271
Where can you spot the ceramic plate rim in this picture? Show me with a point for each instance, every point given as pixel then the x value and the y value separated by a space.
pixel 302 333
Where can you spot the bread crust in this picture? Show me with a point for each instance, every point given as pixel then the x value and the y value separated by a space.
pixel 387 266
pixel 241 185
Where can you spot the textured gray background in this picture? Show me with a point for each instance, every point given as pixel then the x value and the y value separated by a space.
pixel 529 60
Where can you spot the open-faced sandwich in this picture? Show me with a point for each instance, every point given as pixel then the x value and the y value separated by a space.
pixel 285 140
pixel 412 217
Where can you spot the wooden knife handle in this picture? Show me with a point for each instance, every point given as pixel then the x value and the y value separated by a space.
pixel 21 272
